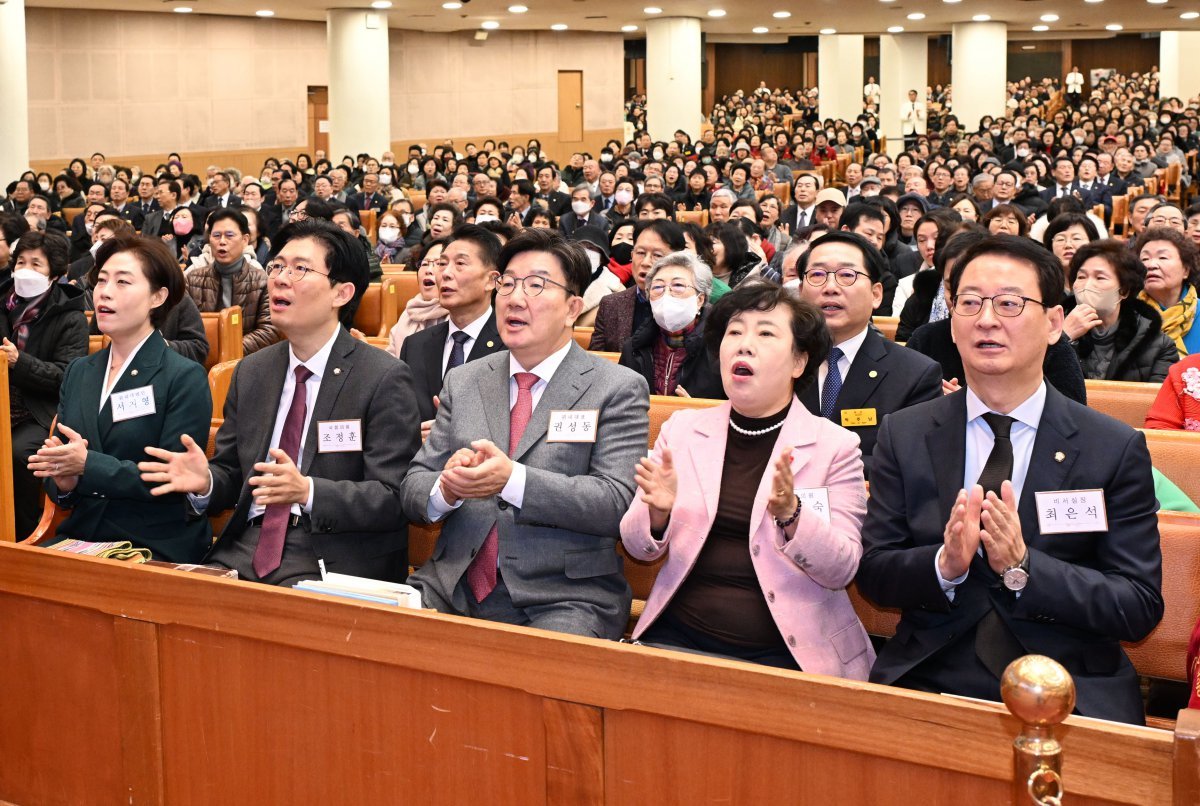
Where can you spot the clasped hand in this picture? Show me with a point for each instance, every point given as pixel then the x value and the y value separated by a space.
pixel 977 520
pixel 63 462
pixel 480 471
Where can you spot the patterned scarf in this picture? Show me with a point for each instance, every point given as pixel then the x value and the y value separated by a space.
pixel 1176 320
pixel 32 310
pixel 938 311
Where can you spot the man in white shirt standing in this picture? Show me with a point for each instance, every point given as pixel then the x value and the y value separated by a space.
pixel 912 120
pixel 871 92
pixel 1074 88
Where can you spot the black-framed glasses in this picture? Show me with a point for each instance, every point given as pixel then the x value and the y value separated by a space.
pixel 533 285
pixel 1009 305
pixel 294 274
pixel 817 278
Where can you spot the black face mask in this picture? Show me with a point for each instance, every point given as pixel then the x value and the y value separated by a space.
pixel 622 253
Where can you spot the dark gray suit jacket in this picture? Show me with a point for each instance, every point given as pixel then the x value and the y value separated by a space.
pixel 558 551
pixel 356 522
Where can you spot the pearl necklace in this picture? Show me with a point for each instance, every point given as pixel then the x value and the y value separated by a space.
pixel 746 432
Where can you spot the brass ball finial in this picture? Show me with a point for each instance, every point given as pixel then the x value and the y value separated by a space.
pixel 1038 690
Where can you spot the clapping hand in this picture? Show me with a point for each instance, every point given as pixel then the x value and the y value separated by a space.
pixel 177 472
pixel 61 461
pixel 782 502
pixel 961 537
pixel 658 483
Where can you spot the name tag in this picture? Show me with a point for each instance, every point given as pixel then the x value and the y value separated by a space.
pixel 852 418
pixel 573 426
pixel 132 403
pixel 1069 511
pixel 815 499
pixel 339 436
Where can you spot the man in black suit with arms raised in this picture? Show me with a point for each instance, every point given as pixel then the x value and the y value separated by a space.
pixel 466 278
pixel 1005 519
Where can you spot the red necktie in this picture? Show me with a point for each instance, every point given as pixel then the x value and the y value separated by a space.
pixel 481 574
pixel 275 520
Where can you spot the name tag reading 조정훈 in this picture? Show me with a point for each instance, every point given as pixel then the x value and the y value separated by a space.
pixel 339 436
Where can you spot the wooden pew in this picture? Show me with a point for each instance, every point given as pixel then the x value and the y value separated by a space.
pixel 1176 454
pixel 583 336
pixel 367 219
pixel 113 655
pixel 219 379
pixel 97 343
pixel 611 356
pixel 887 325
pixel 223 329
pixel 1120 215
pixel 377 311
pixel 407 285
pixel 694 216
pixel 1127 402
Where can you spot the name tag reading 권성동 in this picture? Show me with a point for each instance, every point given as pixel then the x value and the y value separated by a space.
pixel 1070 511
pixel 132 403
pixel 573 426
pixel 339 436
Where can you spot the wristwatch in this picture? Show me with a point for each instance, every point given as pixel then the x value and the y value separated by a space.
pixel 1016 577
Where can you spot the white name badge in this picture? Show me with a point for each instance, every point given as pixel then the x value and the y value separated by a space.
pixel 132 403
pixel 1069 511
pixel 339 436
pixel 815 499
pixel 573 426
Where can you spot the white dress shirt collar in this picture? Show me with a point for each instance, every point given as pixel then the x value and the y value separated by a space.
pixel 546 369
pixel 108 387
pixel 473 329
pixel 1029 412
pixel 316 364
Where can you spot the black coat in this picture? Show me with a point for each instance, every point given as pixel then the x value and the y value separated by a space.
pixel 56 338
pixel 1141 351
pixel 700 373
pixel 919 304
pixel 1060 367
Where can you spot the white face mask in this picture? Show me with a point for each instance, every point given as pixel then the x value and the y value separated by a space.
pixel 94 248
pixel 484 218
pixel 793 286
pixel 593 259
pixel 29 283
pixel 674 314
pixel 89 226
pixel 408 219
pixel 1105 302
pixel 623 197
pixel 414 170
pixel 389 235
pixel 581 207
pixel 385 180
pixel 45 186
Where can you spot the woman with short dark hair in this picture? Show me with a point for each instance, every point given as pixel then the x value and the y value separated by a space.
pixel 134 393
pixel 42 330
pixel 757 504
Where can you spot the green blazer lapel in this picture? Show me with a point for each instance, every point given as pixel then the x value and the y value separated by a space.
pixel 140 372
pixel 87 384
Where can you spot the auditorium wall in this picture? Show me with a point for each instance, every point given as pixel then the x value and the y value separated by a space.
pixel 233 89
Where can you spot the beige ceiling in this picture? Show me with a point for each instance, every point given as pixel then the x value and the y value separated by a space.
pixel 846 16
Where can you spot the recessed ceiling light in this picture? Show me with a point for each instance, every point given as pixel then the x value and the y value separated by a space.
pixel 716 12
pixel 558 26
pixel 517 9
pixel 652 10
pixel 182 9
pixel 628 28
pixel 1028 47
pixel 951 1
pixel 451 6
pixel 916 15
pixel 761 29
pixel 1049 18
pixel 381 4
pixel 1189 15
pixel 981 17
pixel 896 29
pixel 489 25
pixel 1114 26
pixel 1093 1
pixel 828 31
pixel 264 12
pixel 1041 28
pixel 1156 2
pixel 781 15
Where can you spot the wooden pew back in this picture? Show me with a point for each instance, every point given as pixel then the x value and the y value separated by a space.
pixel 219 378
pixel 377 311
pixel 1176 454
pixel 223 329
pixel 1124 401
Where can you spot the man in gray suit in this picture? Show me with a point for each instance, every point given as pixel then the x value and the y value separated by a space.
pixel 318 432
pixel 530 461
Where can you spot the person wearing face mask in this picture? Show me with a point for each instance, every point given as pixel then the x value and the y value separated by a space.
pixel 603 282
pixel 620 250
pixel 583 214
pixel 390 246
pixel 42 330
pixel 1117 336
pixel 669 351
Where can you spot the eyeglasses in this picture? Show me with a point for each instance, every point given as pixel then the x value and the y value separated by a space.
pixel 677 289
pixel 1008 305
pixel 294 274
pixel 818 278
pixel 533 285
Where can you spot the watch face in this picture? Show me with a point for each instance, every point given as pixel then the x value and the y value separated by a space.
pixel 1015 579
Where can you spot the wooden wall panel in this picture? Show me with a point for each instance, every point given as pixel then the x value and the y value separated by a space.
pixel 335 729
pixel 741 67
pixel 1128 53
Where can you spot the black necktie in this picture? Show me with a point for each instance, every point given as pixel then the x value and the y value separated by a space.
pixel 457 354
pixel 995 645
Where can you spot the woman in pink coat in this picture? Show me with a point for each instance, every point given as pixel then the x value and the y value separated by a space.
pixel 758 503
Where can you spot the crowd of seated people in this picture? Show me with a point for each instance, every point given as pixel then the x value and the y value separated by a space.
pixel 756 265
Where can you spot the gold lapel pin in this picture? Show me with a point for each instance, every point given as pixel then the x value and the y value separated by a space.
pixel 872 374
pixel 491 344
pixel 337 370
pixel 133 372
pixel 1059 456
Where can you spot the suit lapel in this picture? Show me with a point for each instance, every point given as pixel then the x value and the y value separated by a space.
pixel 707 452
pixel 337 370
pixel 139 373
pixel 91 384
pixel 265 405
pixel 433 359
pixel 1046 472
pixel 569 383
pixel 494 394
pixel 947 445
pixel 865 375
pixel 488 341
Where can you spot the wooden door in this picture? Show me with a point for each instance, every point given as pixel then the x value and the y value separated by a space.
pixel 318 119
pixel 570 106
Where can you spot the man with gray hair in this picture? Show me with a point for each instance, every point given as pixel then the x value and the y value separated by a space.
pixel 720 205
pixel 583 212
pixel 981 187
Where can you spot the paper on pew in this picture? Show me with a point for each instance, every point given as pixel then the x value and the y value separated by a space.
pixel 363 588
